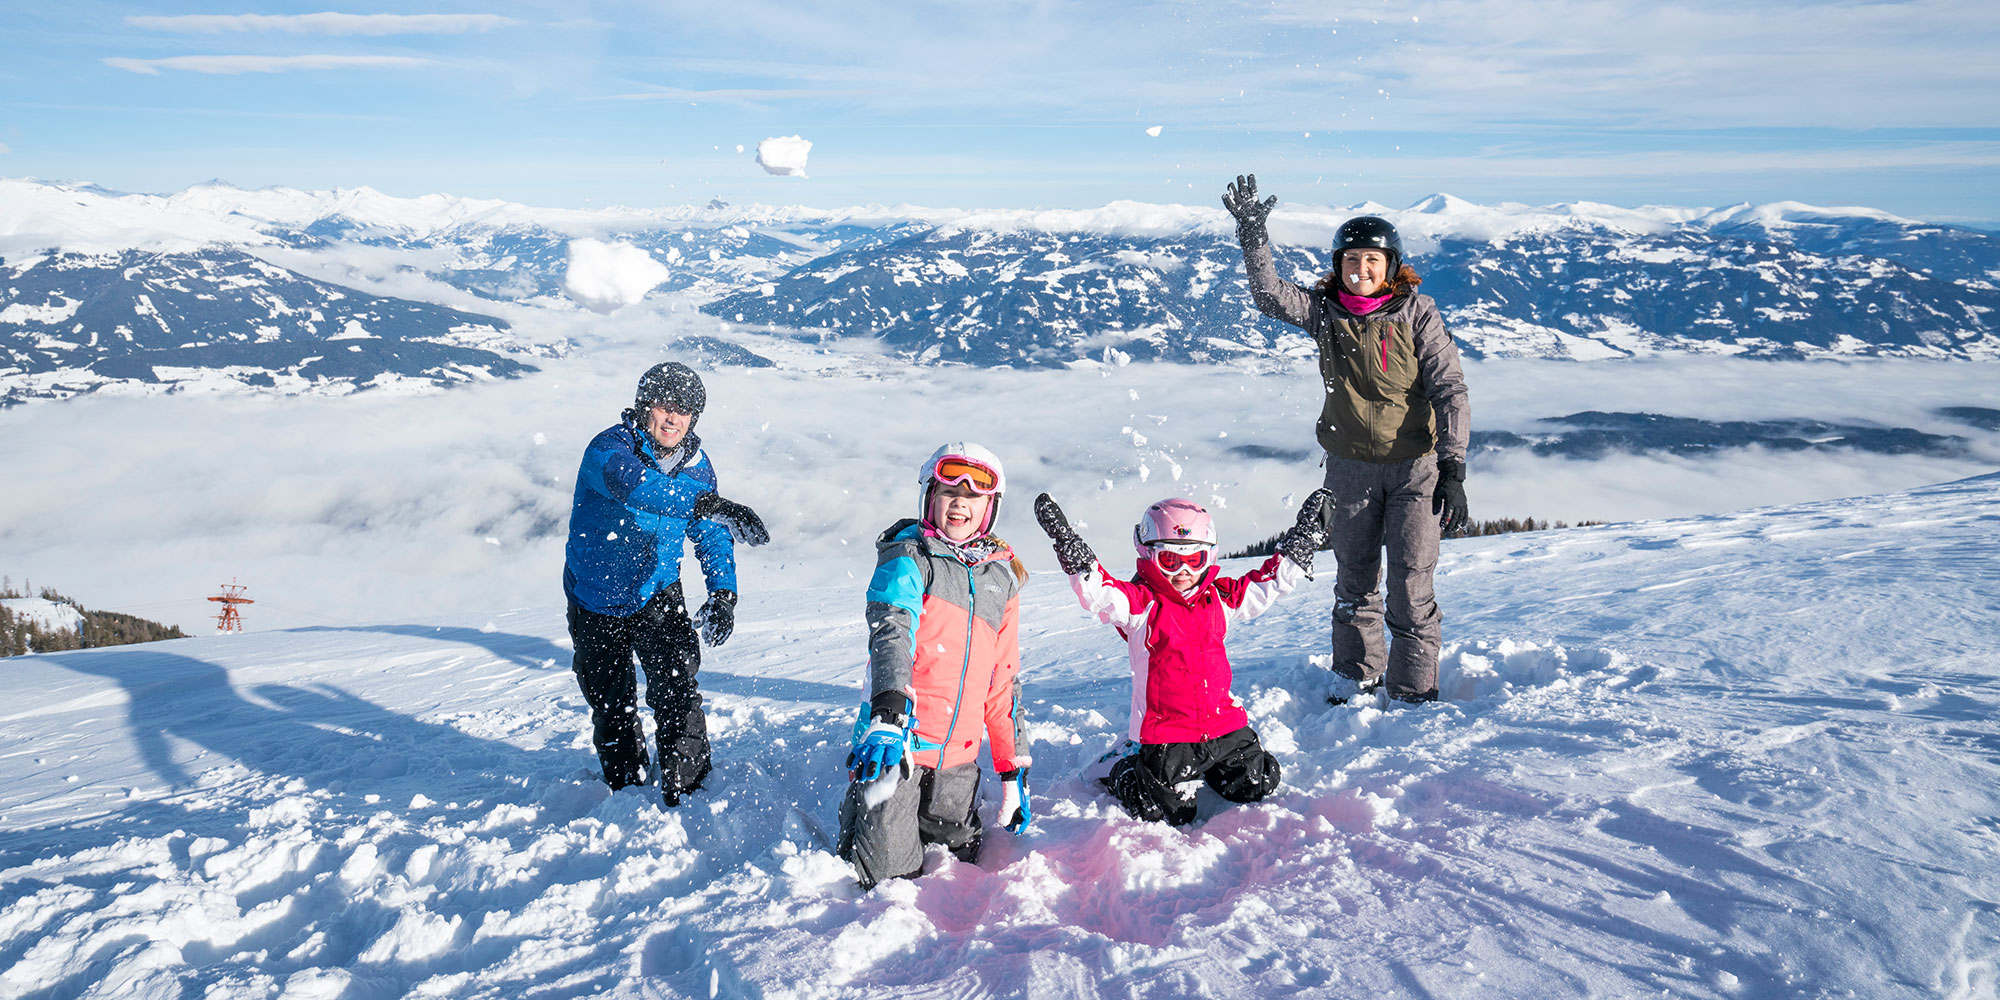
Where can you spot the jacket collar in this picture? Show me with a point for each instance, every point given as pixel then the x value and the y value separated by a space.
pixel 649 451
pixel 975 552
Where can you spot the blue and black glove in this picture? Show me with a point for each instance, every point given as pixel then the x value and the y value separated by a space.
pixel 1014 812
pixel 884 748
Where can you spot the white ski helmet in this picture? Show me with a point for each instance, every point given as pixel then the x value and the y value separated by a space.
pixel 975 458
pixel 1177 522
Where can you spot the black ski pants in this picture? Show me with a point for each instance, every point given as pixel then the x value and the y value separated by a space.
pixel 1236 765
pixel 670 653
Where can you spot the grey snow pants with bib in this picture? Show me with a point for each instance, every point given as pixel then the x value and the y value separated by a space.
pixel 932 807
pixel 1385 507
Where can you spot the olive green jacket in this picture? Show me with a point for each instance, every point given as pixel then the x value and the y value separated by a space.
pixel 1394 389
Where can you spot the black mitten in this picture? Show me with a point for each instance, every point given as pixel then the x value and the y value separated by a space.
pixel 1308 534
pixel 1072 553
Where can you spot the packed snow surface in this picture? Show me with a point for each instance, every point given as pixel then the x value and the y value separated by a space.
pixel 1746 755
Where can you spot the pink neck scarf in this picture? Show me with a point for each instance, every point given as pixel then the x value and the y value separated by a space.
pixel 1362 305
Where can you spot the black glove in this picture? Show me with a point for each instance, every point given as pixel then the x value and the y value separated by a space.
pixel 1072 553
pixel 740 520
pixel 717 617
pixel 1306 536
pixel 1241 201
pixel 1448 498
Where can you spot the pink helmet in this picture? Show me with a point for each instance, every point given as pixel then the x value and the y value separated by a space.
pixel 1178 521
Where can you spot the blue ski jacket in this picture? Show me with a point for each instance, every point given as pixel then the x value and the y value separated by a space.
pixel 629 523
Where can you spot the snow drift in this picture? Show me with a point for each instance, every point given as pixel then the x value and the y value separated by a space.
pixel 1699 758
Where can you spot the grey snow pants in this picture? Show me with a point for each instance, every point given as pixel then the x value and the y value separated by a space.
pixel 1378 508
pixel 933 807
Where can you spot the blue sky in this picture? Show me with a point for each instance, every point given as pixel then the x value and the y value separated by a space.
pixel 1004 104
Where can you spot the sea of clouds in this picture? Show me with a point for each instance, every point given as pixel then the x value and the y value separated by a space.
pixel 381 507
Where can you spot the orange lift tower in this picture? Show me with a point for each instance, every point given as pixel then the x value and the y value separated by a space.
pixel 230 620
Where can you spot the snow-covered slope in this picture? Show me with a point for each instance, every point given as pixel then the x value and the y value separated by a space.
pixel 51 616
pixel 1747 755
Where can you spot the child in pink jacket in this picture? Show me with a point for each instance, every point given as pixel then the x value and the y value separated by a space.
pixel 1174 614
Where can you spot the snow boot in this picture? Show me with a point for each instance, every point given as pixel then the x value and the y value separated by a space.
pixel 1347 688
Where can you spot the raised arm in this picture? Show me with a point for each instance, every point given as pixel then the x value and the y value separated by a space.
pixel 1247 596
pixel 1114 602
pixel 1275 297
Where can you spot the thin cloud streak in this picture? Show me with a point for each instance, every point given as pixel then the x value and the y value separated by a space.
pixel 740 95
pixel 324 23
pixel 233 65
pixel 1931 156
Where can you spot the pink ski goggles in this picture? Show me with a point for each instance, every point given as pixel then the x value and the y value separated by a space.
pixel 1172 562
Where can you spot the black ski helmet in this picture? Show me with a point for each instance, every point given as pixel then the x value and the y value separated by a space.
pixel 1369 232
pixel 674 384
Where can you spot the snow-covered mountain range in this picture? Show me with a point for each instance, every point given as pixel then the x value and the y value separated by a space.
pixel 1787 282
pixel 218 282
pixel 78 321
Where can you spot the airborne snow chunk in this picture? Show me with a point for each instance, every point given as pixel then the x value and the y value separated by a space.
pixel 784 156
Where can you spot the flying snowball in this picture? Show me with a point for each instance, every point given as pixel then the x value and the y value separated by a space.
pixel 784 156
pixel 605 277
pixel 1155 131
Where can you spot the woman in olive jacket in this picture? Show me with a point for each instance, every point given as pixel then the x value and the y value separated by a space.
pixel 1394 426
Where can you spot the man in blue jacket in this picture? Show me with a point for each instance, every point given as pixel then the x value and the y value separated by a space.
pixel 645 488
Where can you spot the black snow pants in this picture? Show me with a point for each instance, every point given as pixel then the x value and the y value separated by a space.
pixel 670 653
pixel 1236 765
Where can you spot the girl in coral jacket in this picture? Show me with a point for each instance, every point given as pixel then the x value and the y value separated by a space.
pixel 1174 614
pixel 944 663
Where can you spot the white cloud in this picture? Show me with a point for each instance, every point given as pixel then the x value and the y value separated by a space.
pixel 605 277
pixel 784 155
pixel 232 65
pixel 324 23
